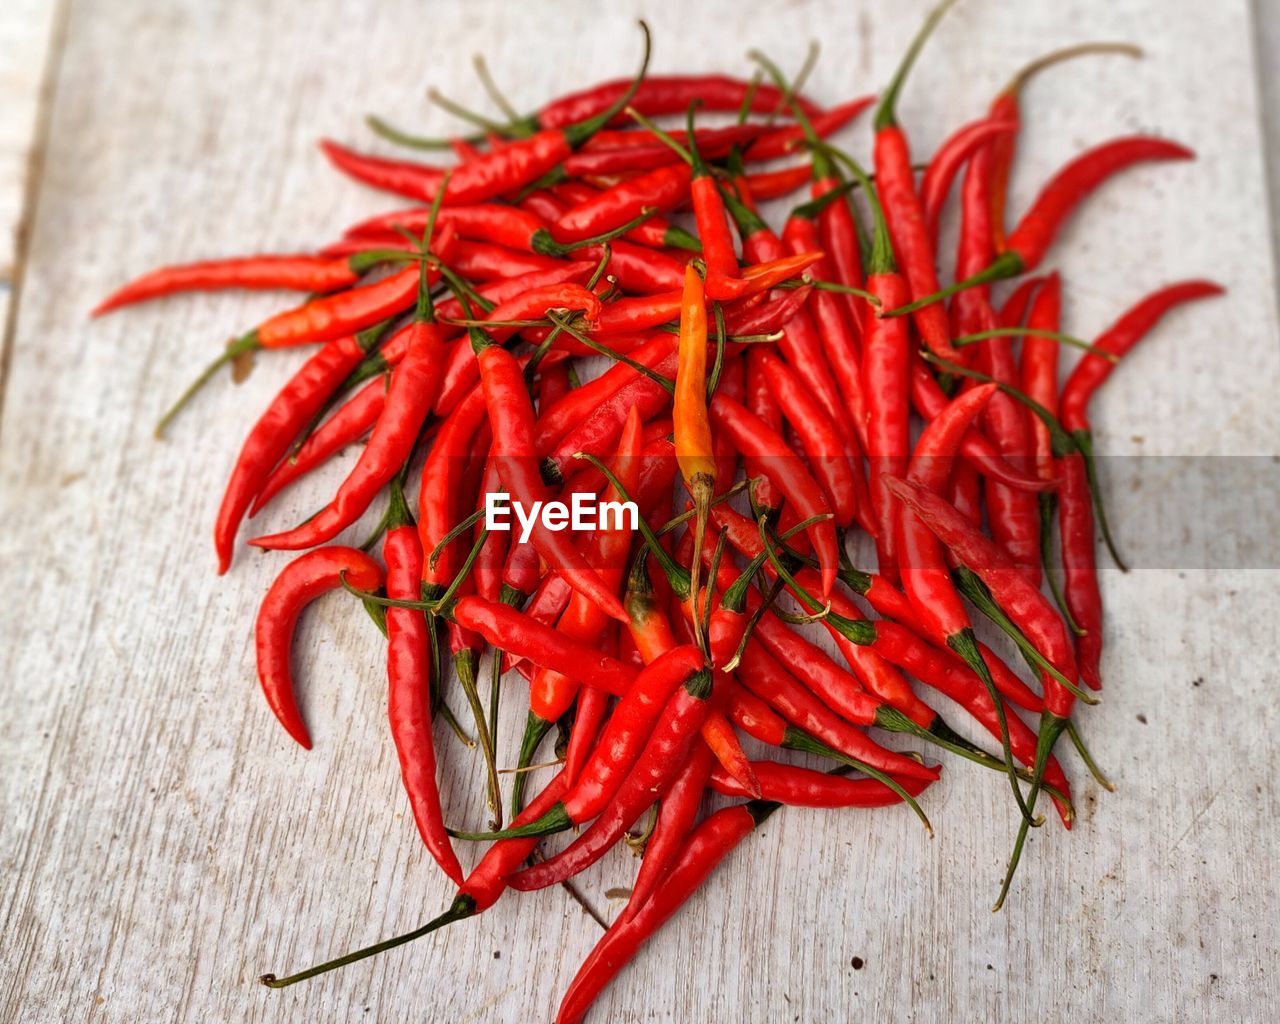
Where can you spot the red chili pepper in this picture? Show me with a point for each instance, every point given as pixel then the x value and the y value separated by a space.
pixel 646 153
pixel 676 816
pixel 896 185
pixel 490 174
pixel 654 233
pixel 709 844
pixel 831 317
pixel 408 696
pixel 348 424
pixel 288 414
pixel 663 189
pixel 1006 106
pixel 978 450
pixel 1024 604
pixel 1013 514
pixel 295 273
pixel 639 270
pixel 664 752
pixel 767 185
pixel 765 449
pixel 945 164
pixel 300 582
pixel 512 419
pixel 438 508
pixel 822 444
pixel 624 738
pixel 794 786
pixel 1038 368
pixel 924 570
pixel 413 389
pixel 521 636
pixel 886 363
pixel 1080 576
pixel 551 692
pixel 1035 232
pixel 784 141
pixel 668 94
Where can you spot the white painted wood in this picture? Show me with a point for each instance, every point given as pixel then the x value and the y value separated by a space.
pixel 164 843
pixel 26 34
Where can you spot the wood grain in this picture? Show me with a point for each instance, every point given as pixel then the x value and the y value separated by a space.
pixel 164 844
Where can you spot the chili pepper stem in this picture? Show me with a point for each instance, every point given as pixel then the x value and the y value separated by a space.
pixel 1073 732
pixel 535 729
pixel 1047 503
pixel 976 591
pixel 1007 264
pixel 555 820
pixel 244 344
pixel 887 113
pixel 461 908
pixel 1084 443
pixel 965 644
pixel 464 664
pixel 1051 727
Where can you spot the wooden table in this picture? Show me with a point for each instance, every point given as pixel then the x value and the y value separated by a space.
pixel 163 843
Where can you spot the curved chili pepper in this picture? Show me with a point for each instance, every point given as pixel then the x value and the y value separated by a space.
pixel 300 582
pixel 978 449
pixel 822 444
pixel 708 845
pixel 289 412
pixel 1035 232
pixel 352 420
pixel 946 162
pixel 624 738
pixel 1006 105
pixel 771 453
pixel 664 752
pixel 294 273
pixel 1080 576
pixel 1024 604
pixel 794 786
pixel 408 695
pixel 413 389
pixel 667 94
pixel 655 232
pixel 662 189
pixel 676 816
pixel 490 174
pixel 896 185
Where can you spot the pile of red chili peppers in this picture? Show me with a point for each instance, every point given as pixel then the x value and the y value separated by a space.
pixel 756 409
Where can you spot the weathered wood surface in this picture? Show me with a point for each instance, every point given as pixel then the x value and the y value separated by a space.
pixel 163 843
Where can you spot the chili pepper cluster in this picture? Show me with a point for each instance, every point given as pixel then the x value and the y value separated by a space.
pixel 758 413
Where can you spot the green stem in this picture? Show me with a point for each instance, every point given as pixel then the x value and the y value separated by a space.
pixel 241 346
pixel 462 907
